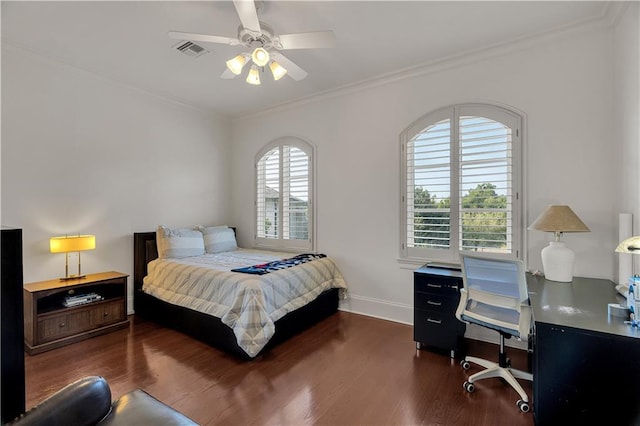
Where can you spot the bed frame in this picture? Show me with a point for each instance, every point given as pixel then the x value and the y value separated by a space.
pixel 207 328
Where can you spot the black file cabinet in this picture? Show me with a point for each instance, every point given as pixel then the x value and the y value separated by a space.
pixel 436 297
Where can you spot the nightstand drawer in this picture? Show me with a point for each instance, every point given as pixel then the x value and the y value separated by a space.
pixel 107 313
pixel 57 326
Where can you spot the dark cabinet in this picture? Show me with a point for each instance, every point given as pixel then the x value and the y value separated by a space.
pixel 12 386
pixel 436 297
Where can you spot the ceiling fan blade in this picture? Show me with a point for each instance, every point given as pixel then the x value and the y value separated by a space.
pixel 293 71
pixel 227 74
pixel 310 40
pixel 203 37
pixel 248 15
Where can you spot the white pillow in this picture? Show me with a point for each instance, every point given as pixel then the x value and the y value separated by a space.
pixel 179 242
pixel 218 239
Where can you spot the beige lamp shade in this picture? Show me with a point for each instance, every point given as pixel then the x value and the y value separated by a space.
pixel 630 245
pixel 559 219
pixel 72 243
pixel 557 258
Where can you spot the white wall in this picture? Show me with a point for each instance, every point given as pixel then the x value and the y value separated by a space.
pixel 563 84
pixel 84 154
pixel 627 115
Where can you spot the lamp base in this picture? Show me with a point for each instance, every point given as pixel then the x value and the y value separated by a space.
pixel 72 277
pixel 557 262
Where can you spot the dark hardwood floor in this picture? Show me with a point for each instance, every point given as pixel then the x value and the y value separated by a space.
pixel 348 370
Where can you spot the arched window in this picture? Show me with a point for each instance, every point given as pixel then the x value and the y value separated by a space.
pixel 284 195
pixel 461 184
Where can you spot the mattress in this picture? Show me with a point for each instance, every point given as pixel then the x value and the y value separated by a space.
pixel 248 304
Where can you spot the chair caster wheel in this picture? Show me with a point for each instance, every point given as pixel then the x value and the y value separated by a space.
pixel 468 386
pixel 523 406
pixel 465 364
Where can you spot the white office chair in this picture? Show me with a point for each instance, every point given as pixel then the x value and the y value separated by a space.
pixel 495 296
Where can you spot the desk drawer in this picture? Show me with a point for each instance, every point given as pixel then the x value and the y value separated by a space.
pixel 439 285
pixel 436 328
pixel 435 302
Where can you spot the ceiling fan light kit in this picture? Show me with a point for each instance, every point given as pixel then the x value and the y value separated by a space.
pixel 263 45
pixel 254 76
pixel 236 64
pixel 260 57
pixel 277 70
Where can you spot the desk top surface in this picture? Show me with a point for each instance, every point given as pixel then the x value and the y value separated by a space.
pixel 580 304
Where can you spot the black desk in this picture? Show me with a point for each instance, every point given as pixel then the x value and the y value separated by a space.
pixel 586 364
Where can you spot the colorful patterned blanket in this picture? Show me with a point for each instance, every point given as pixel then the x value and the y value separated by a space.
pixel 277 265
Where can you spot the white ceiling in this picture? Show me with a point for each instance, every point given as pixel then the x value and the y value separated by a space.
pixel 127 40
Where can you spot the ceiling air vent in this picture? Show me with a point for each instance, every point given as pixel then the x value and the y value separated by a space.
pixel 189 48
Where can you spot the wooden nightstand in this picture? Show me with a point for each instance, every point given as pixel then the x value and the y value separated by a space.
pixel 49 324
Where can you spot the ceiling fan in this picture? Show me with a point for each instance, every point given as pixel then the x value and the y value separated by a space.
pixel 264 45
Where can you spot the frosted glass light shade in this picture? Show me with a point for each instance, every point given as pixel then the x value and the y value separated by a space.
pixel 72 243
pixel 557 262
pixel 277 70
pixel 254 76
pixel 260 57
pixel 236 64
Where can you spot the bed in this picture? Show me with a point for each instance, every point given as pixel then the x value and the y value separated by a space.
pixel 219 322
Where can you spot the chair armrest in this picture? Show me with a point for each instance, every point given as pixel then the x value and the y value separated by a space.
pixel 83 402
pixel 525 320
pixel 464 296
pixel 139 408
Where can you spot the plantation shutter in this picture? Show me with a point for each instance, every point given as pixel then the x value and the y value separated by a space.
pixel 428 189
pixel 461 179
pixel 283 197
pixel 268 194
pixel 485 166
pixel 296 201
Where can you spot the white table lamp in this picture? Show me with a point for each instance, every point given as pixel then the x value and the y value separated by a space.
pixel 557 258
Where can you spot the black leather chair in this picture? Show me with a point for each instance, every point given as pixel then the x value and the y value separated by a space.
pixel 88 402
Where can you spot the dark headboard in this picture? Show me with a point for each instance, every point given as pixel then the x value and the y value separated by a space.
pixel 144 247
pixel 144 251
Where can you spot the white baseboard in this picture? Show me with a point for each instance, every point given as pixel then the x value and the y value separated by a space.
pixel 402 313
pixel 377 308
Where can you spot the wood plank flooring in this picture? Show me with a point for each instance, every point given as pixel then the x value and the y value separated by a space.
pixel 348 370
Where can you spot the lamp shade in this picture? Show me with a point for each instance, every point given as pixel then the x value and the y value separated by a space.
pixel 277 70
pixel 630 245
pixel 236 64
pixel 559 219
pixel 254 76
pixel 72 243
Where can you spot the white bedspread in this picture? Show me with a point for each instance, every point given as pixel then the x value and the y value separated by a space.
pixel 249 304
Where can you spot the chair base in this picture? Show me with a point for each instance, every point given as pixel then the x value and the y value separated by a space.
pixel 493 369
pixel 501 369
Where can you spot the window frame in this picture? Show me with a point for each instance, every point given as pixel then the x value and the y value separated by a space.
pixel 505 115
pixel 280 243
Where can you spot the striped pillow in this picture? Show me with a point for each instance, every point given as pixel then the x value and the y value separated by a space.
pixel 218 239
pixel 179 242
